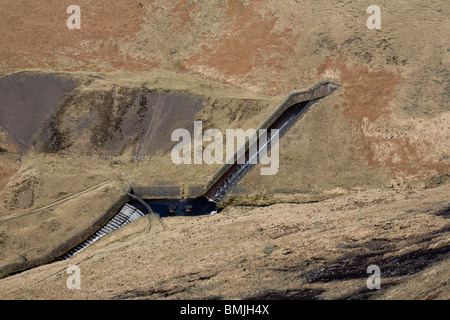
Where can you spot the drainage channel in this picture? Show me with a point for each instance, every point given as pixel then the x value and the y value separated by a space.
pixel 131 207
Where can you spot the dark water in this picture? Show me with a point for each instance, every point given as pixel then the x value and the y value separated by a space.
pixel 163 207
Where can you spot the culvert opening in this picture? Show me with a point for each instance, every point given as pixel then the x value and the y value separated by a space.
pixel 179 207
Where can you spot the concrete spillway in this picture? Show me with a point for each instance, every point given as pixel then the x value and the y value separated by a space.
pixel 127 214
pixel 289 112
pixel 131 207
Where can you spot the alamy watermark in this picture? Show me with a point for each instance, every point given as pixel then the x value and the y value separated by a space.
pixel 188 151
pixel 74 280
pixel 74 21
pixel 374 281
pixel 374 21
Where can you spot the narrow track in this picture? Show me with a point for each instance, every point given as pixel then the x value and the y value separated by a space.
pixel 101 184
